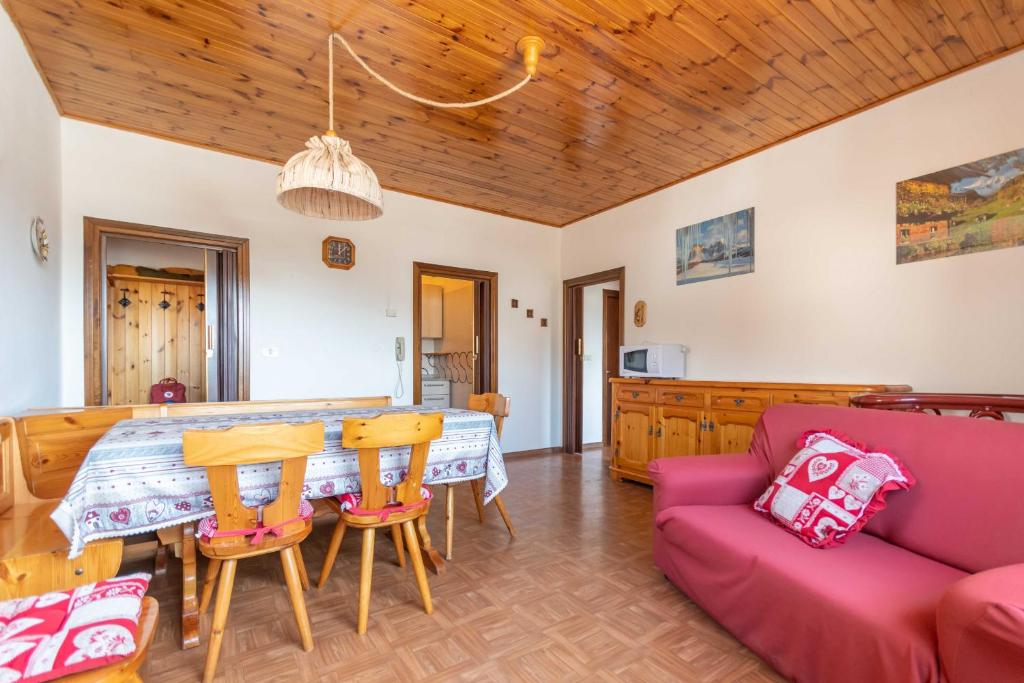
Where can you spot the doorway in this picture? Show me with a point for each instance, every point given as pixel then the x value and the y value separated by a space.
pixel 594 314
pixel 455 334
pixel 164 304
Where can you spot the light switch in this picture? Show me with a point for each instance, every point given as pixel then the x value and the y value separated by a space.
pixel 271 352
pixel 390 312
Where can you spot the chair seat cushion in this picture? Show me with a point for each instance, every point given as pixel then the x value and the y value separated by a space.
pixel 863 611
pixel 57 634
pixel 350 502
pixel 207 526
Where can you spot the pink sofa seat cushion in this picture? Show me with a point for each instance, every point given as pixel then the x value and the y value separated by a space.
pixel 864 611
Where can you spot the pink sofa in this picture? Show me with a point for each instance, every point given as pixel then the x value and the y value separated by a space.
pixel 931 590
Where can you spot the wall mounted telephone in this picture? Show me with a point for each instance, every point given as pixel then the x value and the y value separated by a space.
pixel 399 358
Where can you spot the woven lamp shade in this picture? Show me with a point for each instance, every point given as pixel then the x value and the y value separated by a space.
pixel 328 181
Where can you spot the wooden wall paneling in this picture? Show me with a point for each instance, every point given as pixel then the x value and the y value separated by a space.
pixel 196 322
pixel 145 343
pixel 631 97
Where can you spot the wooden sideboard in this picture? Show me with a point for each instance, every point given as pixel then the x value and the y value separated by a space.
pixel 663 418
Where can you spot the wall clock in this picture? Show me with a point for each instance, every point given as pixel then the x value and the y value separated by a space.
pixel 40 239
pixel 339 252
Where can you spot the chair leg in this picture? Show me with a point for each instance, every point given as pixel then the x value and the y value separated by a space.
pixel 212 568
pixel 478 498
pixel 500 504
pixel 332 552
pixel 366 577
pixel 396 536
pixel 289 561
pixel 220 618
pixel 303 576
pixel 417 565
pixel 449 520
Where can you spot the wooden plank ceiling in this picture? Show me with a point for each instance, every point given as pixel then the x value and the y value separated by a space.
pixel 632 96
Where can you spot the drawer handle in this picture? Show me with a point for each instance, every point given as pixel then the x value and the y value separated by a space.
pixel 636 394
pixel 680 397
pixel 658 433
pixel 739 401
pixel 650 430
pixel 79 571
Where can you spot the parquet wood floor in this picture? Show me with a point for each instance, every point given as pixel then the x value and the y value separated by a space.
pixel 574 597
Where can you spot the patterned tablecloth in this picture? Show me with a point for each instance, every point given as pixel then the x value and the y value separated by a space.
pixel 134 479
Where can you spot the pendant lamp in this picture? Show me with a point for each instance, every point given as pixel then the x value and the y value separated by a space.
pixel 327 180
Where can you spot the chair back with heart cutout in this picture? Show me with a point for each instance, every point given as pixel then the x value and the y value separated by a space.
pixel 222 451
pixel 370 434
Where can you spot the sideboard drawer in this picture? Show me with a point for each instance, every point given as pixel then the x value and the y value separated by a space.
pixel 693 398
pixel 815 397
pixel 643 394
pixel 740 400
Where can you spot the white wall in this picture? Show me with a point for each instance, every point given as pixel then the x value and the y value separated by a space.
pixel 329 325
pixel 153 254
pixel 29 186
pixel 827 301
pixel 593 361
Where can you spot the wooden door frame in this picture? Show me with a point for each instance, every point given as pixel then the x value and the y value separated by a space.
pixel 420 269
pixel 572 378
pixel 606 392
pixel 98 228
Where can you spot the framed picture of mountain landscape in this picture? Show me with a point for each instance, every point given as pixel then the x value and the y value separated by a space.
pixel 719 247
pixel 965 209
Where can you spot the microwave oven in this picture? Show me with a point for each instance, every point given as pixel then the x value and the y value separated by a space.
pixel 653 360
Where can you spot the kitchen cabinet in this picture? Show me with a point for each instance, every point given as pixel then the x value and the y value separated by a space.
pixel 432 307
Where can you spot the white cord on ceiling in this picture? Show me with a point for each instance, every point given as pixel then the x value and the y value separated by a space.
pixel 406 93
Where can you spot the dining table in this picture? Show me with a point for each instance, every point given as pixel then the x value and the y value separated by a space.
pixel 134 479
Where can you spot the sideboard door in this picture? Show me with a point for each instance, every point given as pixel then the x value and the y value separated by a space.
pixel 635 436
pixel 729 431
pixel 677 431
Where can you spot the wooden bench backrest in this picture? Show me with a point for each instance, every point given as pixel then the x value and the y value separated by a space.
pixel 7 457
pixel 54 442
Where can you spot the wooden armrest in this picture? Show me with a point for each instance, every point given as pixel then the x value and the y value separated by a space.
pixel 34 554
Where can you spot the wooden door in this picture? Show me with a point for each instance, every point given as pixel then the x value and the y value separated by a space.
pixel 678 431
pixel 634 435
pixel 147 341
pixel 729 431
pixel 612 340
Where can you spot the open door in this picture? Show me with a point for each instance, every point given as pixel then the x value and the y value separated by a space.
pixel 455 334
pixel 590 356
pixel 611 341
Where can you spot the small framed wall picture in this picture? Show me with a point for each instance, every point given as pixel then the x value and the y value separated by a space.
pixel 339 252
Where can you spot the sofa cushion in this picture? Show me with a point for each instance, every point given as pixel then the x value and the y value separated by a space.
pixel 967 501
pixel 863 611
pixel 831 488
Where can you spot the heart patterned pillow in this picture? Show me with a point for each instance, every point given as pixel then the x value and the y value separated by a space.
pixel 831 488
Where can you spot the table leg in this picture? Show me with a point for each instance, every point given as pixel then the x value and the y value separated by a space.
pixel 189 603
pixel 431 558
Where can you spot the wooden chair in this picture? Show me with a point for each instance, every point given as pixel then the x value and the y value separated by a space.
pixel 240 533
pixel 380 505
pixel 498 406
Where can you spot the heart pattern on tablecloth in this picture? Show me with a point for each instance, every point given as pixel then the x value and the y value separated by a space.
pixel 155 510
pixel 121 515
